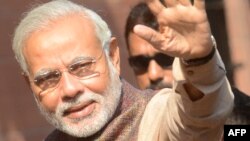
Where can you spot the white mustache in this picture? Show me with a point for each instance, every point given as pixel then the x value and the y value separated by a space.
pixel 81 99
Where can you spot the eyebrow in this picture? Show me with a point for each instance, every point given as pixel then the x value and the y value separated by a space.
pixel 42 72
pixel 79 58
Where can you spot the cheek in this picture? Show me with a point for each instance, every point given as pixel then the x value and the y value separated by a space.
pixel 98 86
pixel 168 75
pixel 142 80
pixel 50 101
pixel 100 83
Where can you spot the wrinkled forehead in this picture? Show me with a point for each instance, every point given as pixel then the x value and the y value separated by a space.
pixel 62 39
pixel 72 28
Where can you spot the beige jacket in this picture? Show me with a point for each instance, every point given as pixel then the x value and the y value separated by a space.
pixel 172 116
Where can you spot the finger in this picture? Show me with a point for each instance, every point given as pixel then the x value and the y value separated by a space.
pixel 150 35
pixel 155 6
pixel 185 2
pixel 200 4
pixel 170 3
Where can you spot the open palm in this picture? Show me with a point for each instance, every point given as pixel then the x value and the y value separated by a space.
pixel 184 28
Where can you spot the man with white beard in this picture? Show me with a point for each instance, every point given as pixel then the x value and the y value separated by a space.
pixel 72 65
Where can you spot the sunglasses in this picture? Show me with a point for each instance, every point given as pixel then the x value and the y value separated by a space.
pixel 82 68
pixel 140 63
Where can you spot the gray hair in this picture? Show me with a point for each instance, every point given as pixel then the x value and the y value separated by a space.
pixel 39 17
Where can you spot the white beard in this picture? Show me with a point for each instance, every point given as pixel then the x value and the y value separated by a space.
pixel 87 126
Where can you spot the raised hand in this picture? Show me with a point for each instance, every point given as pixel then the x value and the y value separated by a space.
pixel 184 28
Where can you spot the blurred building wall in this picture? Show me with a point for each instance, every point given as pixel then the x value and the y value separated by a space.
pixel 216 17
pixel 19 117
pixel 238 25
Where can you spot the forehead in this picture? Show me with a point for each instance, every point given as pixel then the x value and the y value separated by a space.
pixel 138 46
pixel 61 41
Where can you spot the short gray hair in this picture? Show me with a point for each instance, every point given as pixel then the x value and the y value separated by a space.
pixel 39 17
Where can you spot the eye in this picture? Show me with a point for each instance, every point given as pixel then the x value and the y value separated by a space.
pixel 164 61
pixel 82 68
pixel 139 63
pixel 47 80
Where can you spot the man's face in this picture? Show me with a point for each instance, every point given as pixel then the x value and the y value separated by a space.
pixel 152 69
pixel 71 77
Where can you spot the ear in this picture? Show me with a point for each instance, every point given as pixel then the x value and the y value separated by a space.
pixel 26 78
pixel 114 54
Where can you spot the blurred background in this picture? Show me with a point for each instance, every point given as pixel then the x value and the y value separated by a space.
pixel 20 119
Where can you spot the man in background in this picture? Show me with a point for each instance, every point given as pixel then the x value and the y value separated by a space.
pixel 153 69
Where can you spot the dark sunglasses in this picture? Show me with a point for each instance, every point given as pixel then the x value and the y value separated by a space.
pixel 140 63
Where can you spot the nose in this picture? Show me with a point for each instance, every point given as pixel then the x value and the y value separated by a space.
pixel 155 72
pixel 70 86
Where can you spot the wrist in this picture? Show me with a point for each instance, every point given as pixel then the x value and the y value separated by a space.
pixel 202 60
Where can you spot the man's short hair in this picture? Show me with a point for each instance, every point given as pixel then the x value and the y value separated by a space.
pixel 38 18
pixel 140 14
